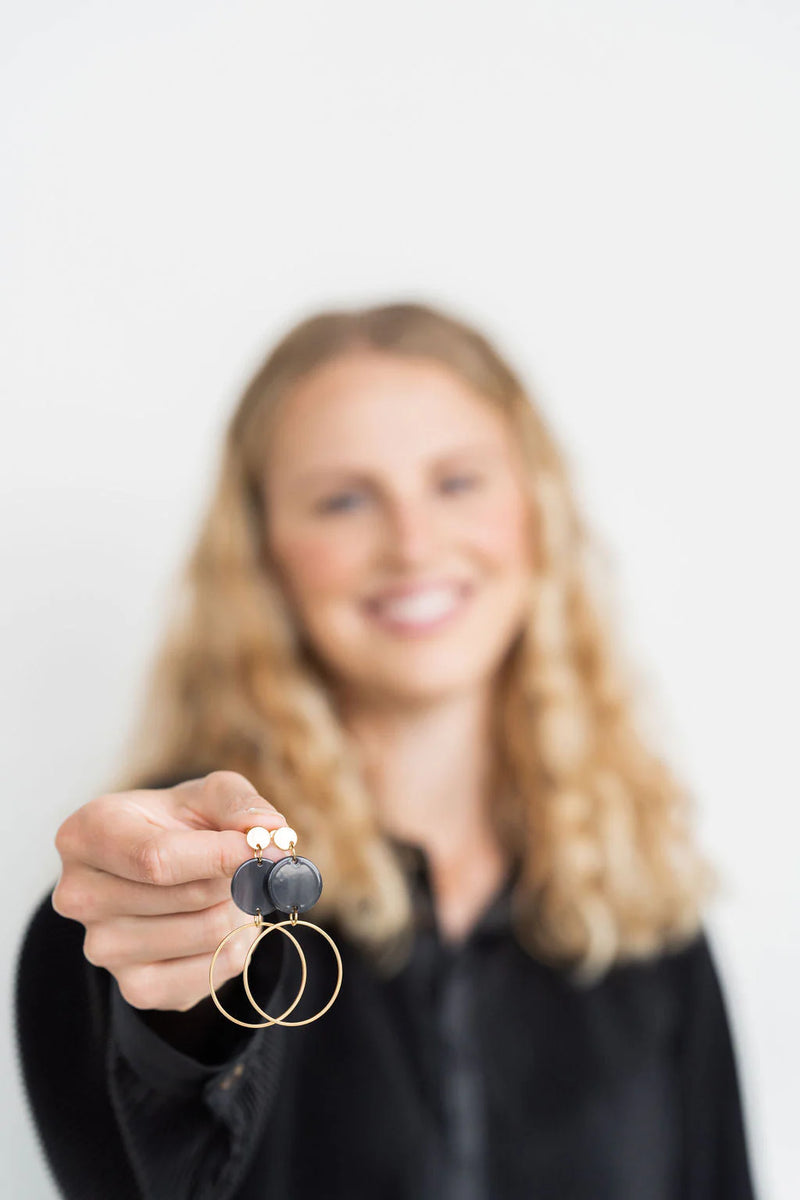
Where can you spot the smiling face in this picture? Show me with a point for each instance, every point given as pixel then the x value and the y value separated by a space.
pixel 397 520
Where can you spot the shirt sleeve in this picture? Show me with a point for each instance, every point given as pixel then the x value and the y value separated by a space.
pixel 717 1159
pixel 191 1125
pixel 113 1090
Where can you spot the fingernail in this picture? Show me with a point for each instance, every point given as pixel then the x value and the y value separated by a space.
pixel 269 812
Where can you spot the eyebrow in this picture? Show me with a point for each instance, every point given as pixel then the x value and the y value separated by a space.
pixel 319 475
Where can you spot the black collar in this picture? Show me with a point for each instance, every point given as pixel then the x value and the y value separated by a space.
pixel 494 920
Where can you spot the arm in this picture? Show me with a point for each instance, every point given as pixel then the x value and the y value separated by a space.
pixel 716 1161
pixel 132 1103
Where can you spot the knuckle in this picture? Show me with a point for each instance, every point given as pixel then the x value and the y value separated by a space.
pixel 228 784
pixel 150 864
pixel 95 948
pixel 106 800
pixel 71 836
pixel 196 895
pixel 71 899
pixel 217 923
pixel 66 837
pixel 218 861
pixel 231 961
pixel 138 987
pixel 59 900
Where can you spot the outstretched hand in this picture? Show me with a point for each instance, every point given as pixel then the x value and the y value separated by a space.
pixel 148 874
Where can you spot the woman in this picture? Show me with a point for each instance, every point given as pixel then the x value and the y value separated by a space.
pixel 386 637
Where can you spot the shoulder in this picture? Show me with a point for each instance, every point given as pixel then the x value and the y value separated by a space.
pixel 691 970
pixel 681 991
pixel 676 968
pixel 653 998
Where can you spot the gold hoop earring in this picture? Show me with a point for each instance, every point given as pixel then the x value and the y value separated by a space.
pixel 292 885
pixel 293 921
pixel 271 1020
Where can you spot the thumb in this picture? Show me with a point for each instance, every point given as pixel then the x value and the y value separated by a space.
pixel 225 800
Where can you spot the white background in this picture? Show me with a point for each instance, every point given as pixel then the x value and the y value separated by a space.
pixel 610 189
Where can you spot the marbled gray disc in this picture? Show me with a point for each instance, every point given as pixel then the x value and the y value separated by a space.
pixel 294 883
pixel 248 886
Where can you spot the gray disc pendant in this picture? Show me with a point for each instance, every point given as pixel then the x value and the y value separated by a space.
pixel 294 883
pixel 249 885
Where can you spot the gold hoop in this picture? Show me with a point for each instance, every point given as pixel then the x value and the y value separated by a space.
pixel 280 925
pixel 295 1002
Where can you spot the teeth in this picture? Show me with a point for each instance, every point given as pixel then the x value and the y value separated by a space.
pixel 424 606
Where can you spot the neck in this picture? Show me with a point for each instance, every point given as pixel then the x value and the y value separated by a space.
pixel 429 771
pixel 427 767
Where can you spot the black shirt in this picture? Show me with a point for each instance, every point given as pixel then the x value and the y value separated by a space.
pixel 474 1073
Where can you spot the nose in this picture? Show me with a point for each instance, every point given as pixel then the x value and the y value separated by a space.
pixel 412 536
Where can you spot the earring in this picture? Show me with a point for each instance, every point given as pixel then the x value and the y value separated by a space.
pixel 291 885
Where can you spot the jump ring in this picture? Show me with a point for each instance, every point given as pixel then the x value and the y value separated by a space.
pixel 280 925
pixel 271 1020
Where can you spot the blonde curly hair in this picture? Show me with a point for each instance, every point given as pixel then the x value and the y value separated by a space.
pixel 596 821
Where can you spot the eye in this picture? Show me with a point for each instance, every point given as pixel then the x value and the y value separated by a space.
pixel 459 483
pixel 340 502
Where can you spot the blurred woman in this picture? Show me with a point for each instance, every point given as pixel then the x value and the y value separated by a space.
pixel 389 636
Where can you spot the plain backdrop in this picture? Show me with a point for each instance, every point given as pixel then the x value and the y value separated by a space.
pixel 611 190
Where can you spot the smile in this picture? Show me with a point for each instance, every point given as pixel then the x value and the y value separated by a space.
pixel 418 610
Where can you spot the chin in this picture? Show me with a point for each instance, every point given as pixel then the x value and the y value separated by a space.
pixel 416 671
pixel 426 682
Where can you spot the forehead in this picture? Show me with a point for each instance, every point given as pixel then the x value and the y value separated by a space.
pixel 365 405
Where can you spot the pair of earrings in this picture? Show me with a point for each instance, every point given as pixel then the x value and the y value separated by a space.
pixel 291 885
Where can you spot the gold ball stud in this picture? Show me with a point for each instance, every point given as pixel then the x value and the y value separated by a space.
pixel 258 837
pixel 284 837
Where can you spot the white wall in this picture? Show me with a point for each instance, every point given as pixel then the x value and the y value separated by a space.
pixel 609 188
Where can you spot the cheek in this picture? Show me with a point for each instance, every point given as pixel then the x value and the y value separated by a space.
pixel 315 565
pixel 501 534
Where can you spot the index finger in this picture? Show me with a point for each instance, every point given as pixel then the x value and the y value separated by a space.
pixel 194 830
pixel 170 856
pixel 220 800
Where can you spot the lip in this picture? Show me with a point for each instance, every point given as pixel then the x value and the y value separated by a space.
pixel 392 623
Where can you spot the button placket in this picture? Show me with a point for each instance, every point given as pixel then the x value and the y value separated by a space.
pixel 232 1076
